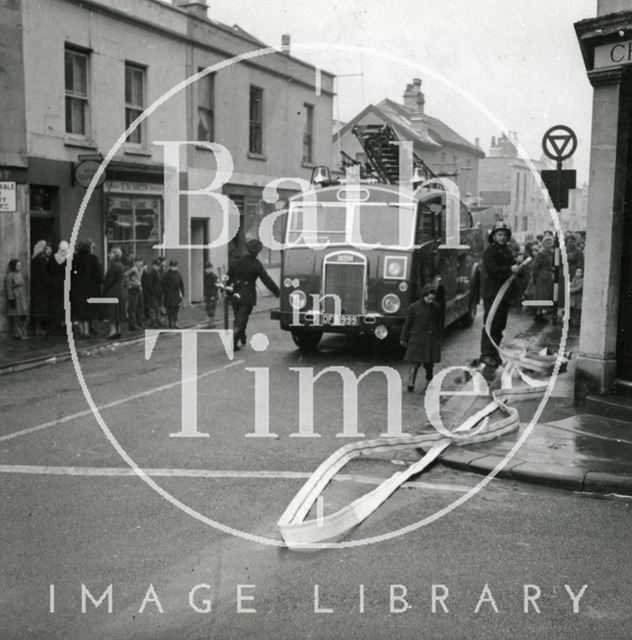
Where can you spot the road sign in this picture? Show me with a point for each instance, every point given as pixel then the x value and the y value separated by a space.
pixel 558 182
pixel 559 142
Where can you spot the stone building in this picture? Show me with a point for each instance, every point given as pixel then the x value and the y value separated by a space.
pixel 442 149
pixel 82 72
pixel 604 365
pixel 508 186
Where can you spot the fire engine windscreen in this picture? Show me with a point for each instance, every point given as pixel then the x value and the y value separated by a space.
pixel 359 224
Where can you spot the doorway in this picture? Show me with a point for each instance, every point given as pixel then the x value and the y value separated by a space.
pixel 43 223
pixel 198 258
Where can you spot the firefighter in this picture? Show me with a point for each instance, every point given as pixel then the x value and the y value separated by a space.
pixel 243 275
pixel 498 265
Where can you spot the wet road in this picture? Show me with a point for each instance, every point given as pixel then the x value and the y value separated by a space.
pixel 75 514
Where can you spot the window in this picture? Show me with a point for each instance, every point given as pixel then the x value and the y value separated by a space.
pixel 525 223
pixel 133 224
pixel 76 81
pixel 206 107
pixel 517 189
pixel 255 144
pixel 308 134
pixel 134 100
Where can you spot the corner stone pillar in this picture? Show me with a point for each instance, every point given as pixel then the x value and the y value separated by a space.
pixel 596 362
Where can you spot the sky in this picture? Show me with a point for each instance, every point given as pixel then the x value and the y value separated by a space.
pixel 519 60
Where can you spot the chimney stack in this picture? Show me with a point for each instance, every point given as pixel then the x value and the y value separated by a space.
pixel 477 142
pixel 414 98
pixel 285 44
pixel 197 8
pixel 493 141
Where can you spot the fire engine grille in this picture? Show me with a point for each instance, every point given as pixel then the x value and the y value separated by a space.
pixel 347 282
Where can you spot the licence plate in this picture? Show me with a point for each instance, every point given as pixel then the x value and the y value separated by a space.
pixel 343 319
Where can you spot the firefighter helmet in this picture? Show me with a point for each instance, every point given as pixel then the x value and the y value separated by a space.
pixel 499 226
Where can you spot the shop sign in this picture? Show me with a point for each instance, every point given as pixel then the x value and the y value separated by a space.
pixel 119 186
pixel 84 172
pixel 613 54
pixel 7 197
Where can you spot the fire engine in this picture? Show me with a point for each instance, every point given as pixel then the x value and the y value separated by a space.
pixel 358 252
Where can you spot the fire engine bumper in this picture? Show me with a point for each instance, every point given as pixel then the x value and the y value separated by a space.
pixel 382 326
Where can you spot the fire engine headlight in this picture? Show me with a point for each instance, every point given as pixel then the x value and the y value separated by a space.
pixel 395 267
pixel 298 299
pixel 391 303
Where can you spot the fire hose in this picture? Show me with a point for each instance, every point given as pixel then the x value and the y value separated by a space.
pixel 299 532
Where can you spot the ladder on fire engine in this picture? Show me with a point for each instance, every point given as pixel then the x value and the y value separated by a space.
pixel 379 143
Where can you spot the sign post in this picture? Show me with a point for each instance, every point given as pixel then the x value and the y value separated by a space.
pixel 559 143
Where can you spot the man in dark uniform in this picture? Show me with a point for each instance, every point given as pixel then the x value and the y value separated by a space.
pixel 498 265
pixel 243 276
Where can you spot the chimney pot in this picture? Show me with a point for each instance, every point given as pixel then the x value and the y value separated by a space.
pixel 286 44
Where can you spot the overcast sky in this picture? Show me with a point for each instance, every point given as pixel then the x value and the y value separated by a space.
pixel 518 58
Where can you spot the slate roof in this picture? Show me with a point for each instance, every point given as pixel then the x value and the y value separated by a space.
pixel 428 132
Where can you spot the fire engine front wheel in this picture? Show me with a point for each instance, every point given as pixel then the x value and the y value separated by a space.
pixel 468 319
pixel 306 340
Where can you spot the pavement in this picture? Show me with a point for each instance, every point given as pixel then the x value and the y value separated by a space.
pixel 38 351
pixel 565 448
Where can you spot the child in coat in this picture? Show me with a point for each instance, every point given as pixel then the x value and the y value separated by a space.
pixel 421 335
pixel 210 293
pixel 173 293
pixel 576 289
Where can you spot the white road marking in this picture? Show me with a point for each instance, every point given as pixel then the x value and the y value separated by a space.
pixel 126 472
pixel 110 405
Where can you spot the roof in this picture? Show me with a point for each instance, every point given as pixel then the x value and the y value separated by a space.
pixel 427 132
pixel 438 131
pixel 403 129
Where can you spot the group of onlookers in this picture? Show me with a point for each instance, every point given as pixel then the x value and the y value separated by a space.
pixel 539 278
pixel 129 289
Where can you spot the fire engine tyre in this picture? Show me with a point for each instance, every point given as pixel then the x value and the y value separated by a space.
pixel 306 340
pixel 468 319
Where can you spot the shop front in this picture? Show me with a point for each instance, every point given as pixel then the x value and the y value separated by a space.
pixel 133 219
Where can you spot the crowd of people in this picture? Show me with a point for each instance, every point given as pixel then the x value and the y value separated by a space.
pixel 538 277
pixel 143 295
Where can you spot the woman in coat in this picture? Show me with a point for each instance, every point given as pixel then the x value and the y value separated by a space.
pixel 113 288
pixel 543 275
pixel 86 283
pixel 57 275
pixel 421 335
pixel 17 306
pixel 40 287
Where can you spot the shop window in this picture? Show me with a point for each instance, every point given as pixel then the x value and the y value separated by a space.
pixel 134 100
pixel 76 91
pixel 308 134
pixel 133 224
pixel 206 107
pixel 255 144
